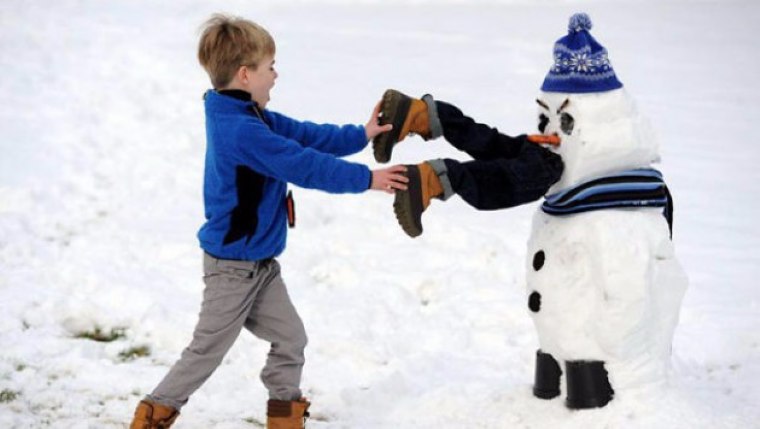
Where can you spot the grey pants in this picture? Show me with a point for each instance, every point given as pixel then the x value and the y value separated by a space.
pixel 240 294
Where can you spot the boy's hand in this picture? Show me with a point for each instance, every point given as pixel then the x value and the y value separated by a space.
pixel 390 179
pixel 373 126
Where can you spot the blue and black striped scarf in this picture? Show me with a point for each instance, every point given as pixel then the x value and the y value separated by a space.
pixel 642 187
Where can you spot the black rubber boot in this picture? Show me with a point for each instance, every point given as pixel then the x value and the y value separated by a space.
pixel 408 204
pixel 587 385
pixel 395 107
pixel 548 373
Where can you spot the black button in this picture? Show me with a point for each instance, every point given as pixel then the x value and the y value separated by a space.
pixel 534 302
pixel 538 260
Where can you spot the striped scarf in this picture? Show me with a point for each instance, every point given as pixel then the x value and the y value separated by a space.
pixel 642 187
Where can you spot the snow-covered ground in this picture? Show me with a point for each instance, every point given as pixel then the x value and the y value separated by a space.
pixel 101 151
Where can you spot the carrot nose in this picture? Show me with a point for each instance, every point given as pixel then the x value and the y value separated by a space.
pixel 552 140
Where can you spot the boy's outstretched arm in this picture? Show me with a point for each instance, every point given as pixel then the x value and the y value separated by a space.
pixel 329 138
pixel 373 127
pixel 389 179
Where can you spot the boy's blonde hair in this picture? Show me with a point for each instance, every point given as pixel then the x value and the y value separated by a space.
pixel 229 42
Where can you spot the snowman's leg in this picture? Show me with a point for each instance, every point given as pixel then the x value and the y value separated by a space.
pixel 587 385
pixel 548 373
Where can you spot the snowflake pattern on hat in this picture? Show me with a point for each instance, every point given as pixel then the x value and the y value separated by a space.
pixel 581 62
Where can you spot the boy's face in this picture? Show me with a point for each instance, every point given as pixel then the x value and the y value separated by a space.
pixel 259 81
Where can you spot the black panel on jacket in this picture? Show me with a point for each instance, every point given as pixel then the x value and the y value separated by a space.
pixel 245 218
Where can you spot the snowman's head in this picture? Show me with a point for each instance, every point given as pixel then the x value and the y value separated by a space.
pixel 583 102
pixel 600 133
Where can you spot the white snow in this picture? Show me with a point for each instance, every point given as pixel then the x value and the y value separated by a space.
pixel 102 146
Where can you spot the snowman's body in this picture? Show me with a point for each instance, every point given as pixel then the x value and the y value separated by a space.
pixel 604 286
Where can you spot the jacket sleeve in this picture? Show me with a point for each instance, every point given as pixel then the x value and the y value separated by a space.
pixel 337 140
pixel 285 159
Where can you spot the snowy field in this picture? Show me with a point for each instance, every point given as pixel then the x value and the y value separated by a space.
pixel 101 152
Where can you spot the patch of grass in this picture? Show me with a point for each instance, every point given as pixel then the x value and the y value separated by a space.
pixel 102 336
pixel 254 421
pixel 7 395
pixel 133 353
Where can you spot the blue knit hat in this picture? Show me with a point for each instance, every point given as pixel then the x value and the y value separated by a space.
pixel 580 62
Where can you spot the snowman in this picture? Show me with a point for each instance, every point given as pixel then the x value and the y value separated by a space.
pixel 603 284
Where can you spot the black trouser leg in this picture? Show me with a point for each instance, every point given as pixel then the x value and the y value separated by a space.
pixel 479 140
pixel 506 172
pixel 503 183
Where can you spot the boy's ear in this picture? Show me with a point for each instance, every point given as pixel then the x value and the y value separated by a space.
pixel 242 74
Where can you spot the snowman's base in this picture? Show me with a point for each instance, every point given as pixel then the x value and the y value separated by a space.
pixel 587 383
pixel 548 373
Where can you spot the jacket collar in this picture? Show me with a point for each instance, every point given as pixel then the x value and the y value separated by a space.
pixel 234 99
pixel 241 98
pixel 238 94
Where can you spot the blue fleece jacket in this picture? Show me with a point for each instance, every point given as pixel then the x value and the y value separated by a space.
pixel 251 155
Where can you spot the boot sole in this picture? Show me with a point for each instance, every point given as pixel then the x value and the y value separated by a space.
pixel 394 109
pixel 408 204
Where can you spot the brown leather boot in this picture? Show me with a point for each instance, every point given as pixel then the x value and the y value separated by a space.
pixel 408 205
pixel 287 414
pixel 151 415
pixel 407 114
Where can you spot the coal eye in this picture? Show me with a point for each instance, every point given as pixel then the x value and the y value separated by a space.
pixel 566 123
pixel 543 121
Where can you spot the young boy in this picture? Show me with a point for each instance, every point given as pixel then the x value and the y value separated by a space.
pixel 251 155
pixel 506 171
